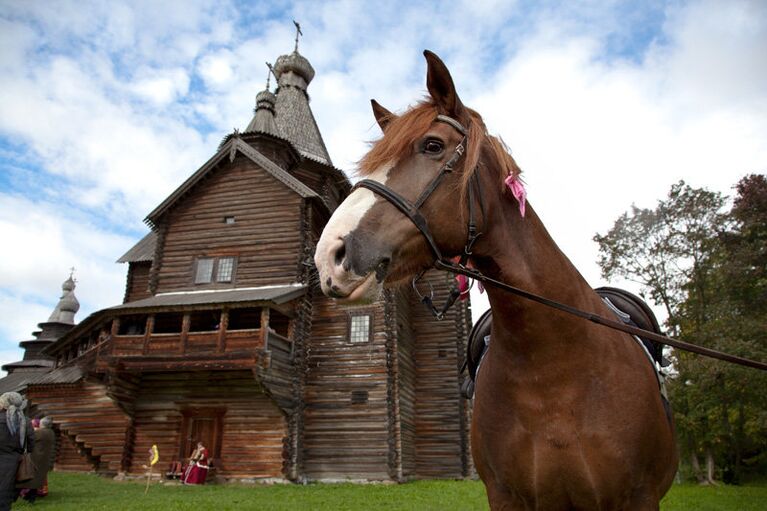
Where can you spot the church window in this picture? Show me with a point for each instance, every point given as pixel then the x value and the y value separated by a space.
pixel 359 327
pixel 204 273
pixel 214 269
pixel 225 269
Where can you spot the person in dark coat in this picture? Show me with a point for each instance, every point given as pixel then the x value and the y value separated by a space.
pixel 14 433
pixel 43 456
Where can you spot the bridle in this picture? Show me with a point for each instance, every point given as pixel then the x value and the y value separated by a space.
pixel 411 211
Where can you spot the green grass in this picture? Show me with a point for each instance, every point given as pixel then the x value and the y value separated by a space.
pixel 83 492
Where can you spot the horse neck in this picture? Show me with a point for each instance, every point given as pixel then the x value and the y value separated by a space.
pixel 519 251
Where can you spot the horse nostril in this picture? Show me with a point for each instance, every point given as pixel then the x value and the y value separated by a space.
pixel 340 254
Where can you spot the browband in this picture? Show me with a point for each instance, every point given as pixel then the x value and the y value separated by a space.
pixel 452 122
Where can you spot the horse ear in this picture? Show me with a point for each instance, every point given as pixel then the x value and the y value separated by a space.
pixel 440 85
pixel 382 115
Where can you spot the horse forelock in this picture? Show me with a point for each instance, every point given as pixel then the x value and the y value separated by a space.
pixel 484 152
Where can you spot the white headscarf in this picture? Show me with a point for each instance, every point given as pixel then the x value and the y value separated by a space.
pixel 14 404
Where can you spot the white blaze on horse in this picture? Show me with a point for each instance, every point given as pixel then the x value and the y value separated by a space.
pixel 552 428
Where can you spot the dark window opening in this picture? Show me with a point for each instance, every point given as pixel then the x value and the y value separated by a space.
pixel 132 325
pixel 167 323
pixel 204 321
pixel 244 319
pixel 441 353
pixel 279 322
pixel 359 397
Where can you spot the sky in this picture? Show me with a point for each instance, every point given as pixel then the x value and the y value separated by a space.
pixel 107 107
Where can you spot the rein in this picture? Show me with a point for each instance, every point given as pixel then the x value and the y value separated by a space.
pixel 411 210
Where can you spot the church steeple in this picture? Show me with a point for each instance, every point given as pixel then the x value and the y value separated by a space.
pixel 293 115
pixel 60 322
pixel 263 115
pixel 286 114
pixel 68 305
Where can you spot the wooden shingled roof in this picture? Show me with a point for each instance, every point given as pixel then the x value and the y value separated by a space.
pixel 143 251
pixel 273 294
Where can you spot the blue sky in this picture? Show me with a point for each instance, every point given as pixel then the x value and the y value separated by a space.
pixel 106 107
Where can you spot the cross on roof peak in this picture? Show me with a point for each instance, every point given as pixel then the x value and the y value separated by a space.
pixel 298 33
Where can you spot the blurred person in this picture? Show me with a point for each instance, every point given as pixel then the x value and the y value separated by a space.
pixel 15 434
pixel 43 456
pixel 197 469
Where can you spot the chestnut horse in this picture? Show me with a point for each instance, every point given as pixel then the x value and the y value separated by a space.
pixel 567 413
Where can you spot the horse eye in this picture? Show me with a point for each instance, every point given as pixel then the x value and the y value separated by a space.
pixel 432 146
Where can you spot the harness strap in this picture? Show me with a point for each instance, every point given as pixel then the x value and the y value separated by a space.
pixel 595 318
pixel 408 209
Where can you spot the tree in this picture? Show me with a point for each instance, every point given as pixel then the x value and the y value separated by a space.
pixel 709 270
pixel 662 249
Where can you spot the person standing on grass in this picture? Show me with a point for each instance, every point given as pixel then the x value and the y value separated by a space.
pixel 197 470
pixel 43 456
pixel 14 435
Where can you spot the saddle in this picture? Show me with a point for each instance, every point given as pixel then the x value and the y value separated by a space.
pixel 632 310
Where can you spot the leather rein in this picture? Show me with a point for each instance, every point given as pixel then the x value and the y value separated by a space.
pixel 411 211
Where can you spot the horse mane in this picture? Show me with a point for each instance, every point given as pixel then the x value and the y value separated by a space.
pixel 483 150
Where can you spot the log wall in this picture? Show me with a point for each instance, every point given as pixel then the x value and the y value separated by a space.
pixel 406 381
pixel 254 430
pixel 265 236
pixel 345 439
pixel 440 426
pixel 137 283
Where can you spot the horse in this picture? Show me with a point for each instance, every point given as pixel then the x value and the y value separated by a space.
pixel 567 414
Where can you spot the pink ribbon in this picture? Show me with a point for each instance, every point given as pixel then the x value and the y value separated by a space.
pixel 517 189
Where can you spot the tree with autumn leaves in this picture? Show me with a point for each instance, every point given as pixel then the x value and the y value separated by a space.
pixel 708 269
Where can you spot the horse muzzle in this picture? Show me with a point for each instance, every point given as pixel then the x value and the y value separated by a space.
pixel 352 268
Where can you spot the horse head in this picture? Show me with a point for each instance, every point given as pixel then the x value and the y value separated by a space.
pixel 420 160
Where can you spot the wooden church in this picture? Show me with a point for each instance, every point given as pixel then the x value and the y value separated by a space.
pixel 225 338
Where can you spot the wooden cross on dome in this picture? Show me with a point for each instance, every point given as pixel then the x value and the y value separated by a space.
pixel 298 33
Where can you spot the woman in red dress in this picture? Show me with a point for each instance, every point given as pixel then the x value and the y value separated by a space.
pixel 197 469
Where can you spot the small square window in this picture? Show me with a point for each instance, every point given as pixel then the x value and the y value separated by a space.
pixel 204 272
pixel 228 219
pixel 225 269
pixel 359 328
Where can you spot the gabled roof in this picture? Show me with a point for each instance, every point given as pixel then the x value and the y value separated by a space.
pixel 230 149
pixel 143 251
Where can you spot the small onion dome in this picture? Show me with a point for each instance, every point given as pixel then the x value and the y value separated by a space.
pixel 294 63
pixel 68 305
pixel 263 118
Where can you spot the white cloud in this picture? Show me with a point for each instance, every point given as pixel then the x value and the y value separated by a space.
pixel 161 87
pixel 48 242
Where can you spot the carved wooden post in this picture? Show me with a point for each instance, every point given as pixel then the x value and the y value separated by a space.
pixel 223 324
pixel 185 322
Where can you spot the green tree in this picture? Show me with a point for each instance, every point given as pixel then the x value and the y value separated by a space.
pixel 707 268
pixel 662 249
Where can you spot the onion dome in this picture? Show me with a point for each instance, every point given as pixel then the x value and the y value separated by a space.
pixel 263 115
pixel 293 70
pixel 68 305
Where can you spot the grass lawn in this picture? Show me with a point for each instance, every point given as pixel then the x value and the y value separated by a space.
pixel 81 492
